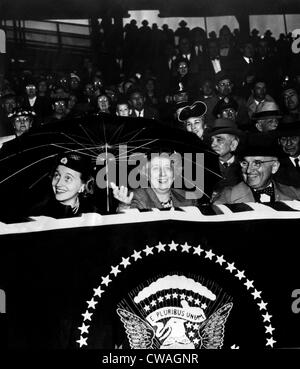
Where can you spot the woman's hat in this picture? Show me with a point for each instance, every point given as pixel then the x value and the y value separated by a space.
pixel 21 112
pixel 197 109
pixel 77 162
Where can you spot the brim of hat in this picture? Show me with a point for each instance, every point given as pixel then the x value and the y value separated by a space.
pixel 231 131
pixel 267 115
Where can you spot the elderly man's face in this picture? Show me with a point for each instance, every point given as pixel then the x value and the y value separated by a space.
pixel 161 174
pixel 290 98
pixel 224 144
pixel 225 87
pixel 266 125
pixel 195 125
pixel 257 170
pixel 290 145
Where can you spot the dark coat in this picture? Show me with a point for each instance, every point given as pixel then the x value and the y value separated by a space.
pixel 287 173
pixel 145 198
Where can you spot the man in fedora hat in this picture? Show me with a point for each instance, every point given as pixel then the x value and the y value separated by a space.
pixel 289 141
pixel 224 138
pixel 193 117
pixel 259 162
pixel 267 117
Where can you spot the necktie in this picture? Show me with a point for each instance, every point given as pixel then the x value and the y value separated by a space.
pixel 267 191
pixel 225 165
pixel 297 164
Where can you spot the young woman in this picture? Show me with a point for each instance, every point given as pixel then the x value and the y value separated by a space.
pixel 72 185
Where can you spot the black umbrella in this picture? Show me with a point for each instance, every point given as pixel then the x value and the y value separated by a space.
pixel 25 163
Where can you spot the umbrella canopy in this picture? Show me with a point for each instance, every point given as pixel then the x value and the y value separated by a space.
pixel 109 141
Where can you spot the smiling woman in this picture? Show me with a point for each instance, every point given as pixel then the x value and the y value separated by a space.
pixel 72 183
pixel 160 171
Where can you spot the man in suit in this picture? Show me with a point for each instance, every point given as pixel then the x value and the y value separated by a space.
pixel 259 163
pixel 289 140
pixel 139 109
pixel 224 137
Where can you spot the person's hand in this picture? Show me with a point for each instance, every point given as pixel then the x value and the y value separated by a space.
pixel 121 194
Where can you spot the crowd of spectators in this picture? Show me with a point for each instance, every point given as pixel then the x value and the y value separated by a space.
pixel 222 88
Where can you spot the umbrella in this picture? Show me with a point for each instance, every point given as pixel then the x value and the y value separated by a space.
pixel 25 163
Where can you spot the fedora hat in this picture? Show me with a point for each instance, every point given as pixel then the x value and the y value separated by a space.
pixel 267 110
pixel 224 125
pixel 197 109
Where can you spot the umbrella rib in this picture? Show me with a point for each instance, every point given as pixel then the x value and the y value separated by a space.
pixel 138 147
pixel 86 132
pixel 79 143
pixel 195 186
pixel 204 167
pixel 27 166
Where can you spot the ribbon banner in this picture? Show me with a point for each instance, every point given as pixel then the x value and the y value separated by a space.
pixel 153 280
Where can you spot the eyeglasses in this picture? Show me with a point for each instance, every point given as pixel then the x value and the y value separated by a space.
pixel 256 164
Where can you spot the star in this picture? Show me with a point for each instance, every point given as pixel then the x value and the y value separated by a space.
pixel 82 341
pixel 267 317
pixel 197 250
pixel 269 329
pixel 196 341
pixel 190 298
pixel 175 295
pixel 270 342
pixel 87 316
pixel 125 262
pixel 153 303
pixel 160 247
pixel 92 303
pixel 249 284
pixel 115 270
pixel 84 328
pixel 148 250
pixel 146 307
pixel 256 294
pixel 98 292
pixel 220 260
pixel 240 274
pixel 196 326
pixel 209 254
pixel 168 296
pixel 183 296
pixel 136 255
pixel 106 280
pixel 185 247
pixel 173 246
pixel 262 305
pixel 230 267
pixel 197 302
pixel 191 334
pixel 160 299
pixel 203 306
pixel 189 325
